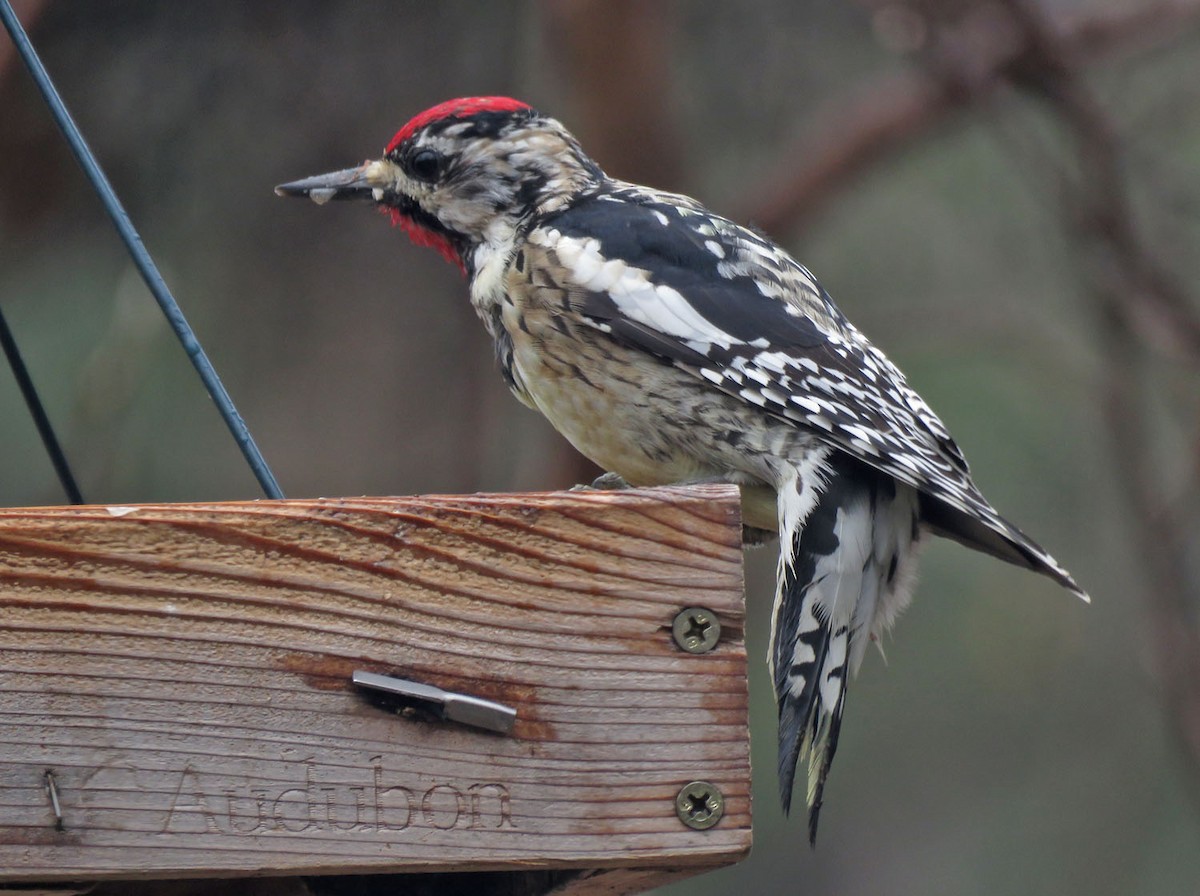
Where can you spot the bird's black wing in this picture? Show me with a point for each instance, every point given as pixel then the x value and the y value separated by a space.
pixel 660 273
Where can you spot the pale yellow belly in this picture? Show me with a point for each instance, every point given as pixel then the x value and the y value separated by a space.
pixel 636 417
pixel 608 420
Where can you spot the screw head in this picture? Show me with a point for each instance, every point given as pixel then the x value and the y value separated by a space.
pixel 696 630
pixel 700 805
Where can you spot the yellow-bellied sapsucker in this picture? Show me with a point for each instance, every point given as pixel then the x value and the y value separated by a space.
pixel 670 345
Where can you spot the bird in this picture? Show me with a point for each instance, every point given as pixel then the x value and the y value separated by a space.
pixel 672 345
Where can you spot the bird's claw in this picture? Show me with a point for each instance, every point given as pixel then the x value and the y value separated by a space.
pixel 609 482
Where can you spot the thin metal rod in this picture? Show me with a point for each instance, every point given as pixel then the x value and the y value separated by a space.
pixel 52 792
pixel 141 258
pixel 38 412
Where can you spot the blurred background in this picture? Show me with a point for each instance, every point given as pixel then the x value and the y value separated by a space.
pixel 1004 195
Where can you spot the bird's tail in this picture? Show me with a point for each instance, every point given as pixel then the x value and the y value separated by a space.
pixel 845 571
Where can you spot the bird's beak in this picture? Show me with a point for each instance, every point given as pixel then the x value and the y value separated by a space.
pixel 362 182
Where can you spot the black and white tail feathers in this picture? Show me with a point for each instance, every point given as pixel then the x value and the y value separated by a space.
pixel 845 572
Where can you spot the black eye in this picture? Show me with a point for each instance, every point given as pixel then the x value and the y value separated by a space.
pixel 425 165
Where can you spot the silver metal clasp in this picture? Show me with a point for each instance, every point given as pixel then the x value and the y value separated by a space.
pixel 461 708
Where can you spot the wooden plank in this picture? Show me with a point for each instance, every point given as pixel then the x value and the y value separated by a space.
pixel 183 672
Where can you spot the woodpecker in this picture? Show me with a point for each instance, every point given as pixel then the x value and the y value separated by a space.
pixel 670 345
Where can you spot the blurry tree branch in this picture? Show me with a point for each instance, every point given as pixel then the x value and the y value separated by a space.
pixel 1141 305
pixel 969 53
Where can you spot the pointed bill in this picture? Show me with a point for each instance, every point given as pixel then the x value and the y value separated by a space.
pixel 349 183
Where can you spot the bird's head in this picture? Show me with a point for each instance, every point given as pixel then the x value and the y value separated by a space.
pixel 464 174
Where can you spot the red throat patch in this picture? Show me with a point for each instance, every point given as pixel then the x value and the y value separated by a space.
pixel 463 107
pixel 423 237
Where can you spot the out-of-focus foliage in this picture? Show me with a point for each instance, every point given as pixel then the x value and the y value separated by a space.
pixel 1012 743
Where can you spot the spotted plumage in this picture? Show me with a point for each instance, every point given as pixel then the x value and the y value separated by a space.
pixel 669 344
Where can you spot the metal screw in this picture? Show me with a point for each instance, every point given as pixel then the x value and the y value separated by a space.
pixel 700 805
pixel 696 630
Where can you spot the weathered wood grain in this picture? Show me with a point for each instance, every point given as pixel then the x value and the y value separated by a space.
pixel 183 672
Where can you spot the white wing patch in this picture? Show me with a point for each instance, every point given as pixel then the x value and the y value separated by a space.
pixel 636 297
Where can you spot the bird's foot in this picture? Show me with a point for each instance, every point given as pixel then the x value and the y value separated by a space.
pixel 609 482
